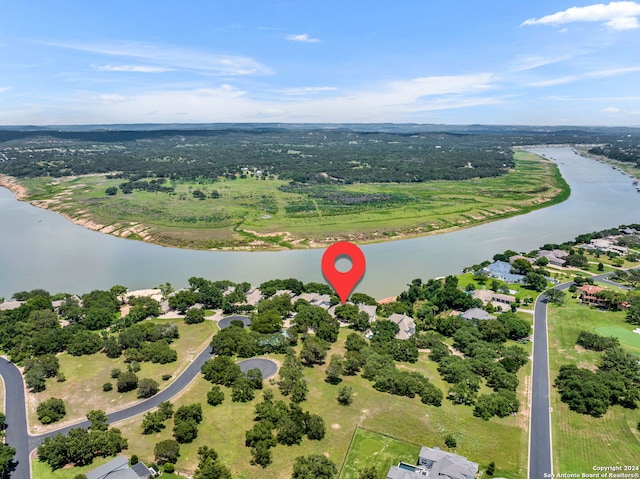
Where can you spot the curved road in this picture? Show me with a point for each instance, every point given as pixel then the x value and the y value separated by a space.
pixel 18 435
pixel 540 457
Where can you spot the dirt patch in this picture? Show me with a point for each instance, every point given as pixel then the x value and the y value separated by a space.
pixel 336 426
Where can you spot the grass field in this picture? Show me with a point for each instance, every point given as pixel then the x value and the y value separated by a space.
pixel 368 449
pixel 256 214
pixel 399 417
pixel 82 390
pixel 579 441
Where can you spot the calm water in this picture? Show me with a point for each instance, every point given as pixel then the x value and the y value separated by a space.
pixel 40 249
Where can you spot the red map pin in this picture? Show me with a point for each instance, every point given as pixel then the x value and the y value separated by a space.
pixel 343 283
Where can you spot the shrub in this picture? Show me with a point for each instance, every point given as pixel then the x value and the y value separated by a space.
pixel 147 388
pixel 107 387
pixel 169 467
pixel 215 396
pixel 127 381
pixel 51 410
pixel 115 373
pixel 166 377
pixel 166 451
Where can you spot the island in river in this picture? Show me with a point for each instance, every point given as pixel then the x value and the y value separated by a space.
pixel 288 189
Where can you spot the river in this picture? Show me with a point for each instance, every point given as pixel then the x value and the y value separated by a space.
pixel 41 249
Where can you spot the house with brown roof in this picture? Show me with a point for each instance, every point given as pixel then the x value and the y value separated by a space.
pixel 589 295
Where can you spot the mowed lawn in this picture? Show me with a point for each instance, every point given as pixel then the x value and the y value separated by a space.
pixel 85 376
pixel 503 441
pixel 580 441
pixel 370 449
pixel 247 209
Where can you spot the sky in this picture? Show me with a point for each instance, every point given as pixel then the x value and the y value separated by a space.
pixel 537 62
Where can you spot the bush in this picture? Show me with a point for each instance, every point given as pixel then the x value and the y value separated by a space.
pixel 51 410
pixel 115 373
pixel 450 441
pixel 166 377
pixel 107 387
pixel 345 396
pixel 166 451
pixel 194 316
pixel 147 388
pixel 169 467
pixel 215 396
pixel 127 381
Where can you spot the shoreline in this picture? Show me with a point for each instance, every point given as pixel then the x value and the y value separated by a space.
pixel 139 231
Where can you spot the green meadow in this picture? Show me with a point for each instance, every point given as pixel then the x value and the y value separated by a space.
pixel 251 213
pixel 580 441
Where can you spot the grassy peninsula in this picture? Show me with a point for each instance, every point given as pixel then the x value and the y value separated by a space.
pixel 258 212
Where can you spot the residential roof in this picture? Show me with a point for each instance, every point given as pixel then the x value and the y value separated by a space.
pixel 7 305
pixel 396 472
pixel 406 324
pixel 448 464
pixel 591 289
pixel 502 270
pixel 118 468
pixel 476 313
pixel 254 296
pixel 369 309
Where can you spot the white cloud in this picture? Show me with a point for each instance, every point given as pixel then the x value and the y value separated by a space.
pixel 615 15
pixel 174 58
pixel 3 89
pixel 611 109
pixel 110 98
pixel 531 62
pixel 585 76
pixel 303 37
pixel 133 68
pixel 308 90
pixel 402 100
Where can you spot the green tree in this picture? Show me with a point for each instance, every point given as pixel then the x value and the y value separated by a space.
pixel 98 420
pixel 147 388
pixel 334 369
pixel 127 381
pixel 314 466
pixel 166 451
pixel 194 316
pixel 215 396
pixel 51 410
pixel 450 441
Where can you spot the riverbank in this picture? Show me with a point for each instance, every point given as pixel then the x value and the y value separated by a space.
pixel 251 215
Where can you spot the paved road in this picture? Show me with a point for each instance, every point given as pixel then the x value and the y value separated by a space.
pixel 540 457
pixel 17 433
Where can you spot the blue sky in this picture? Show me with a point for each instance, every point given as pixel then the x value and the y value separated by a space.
pixel 457 61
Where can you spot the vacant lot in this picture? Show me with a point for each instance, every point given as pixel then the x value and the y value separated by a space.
pixel 265 214
pixel 400 417
pixel 85 375
pixel 579 441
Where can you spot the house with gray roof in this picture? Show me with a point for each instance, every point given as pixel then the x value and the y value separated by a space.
pixel 502 270
pixel 119 468
pixel 406 324
pixel 556 257
pixel 370 310
pixel 435 464
pixel 315 299
pixel 476 313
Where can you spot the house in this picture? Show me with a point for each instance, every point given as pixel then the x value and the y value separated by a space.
pixel 315 299
pixel 497 299
pixel 476 313
pixel 589 295
pixel 369 309
pixel 556 257
pixel 254 296
pixel 607 245
pixel 519 256
pixel 119 468
pixel 435 464
pixel 628 231
pixel 406 324
pixel 502 270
